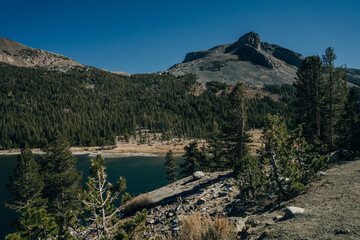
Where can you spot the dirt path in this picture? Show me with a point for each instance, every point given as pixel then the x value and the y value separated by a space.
pixel 332 208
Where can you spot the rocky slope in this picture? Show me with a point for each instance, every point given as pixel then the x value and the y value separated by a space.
pixel 248 60
pixel 20 55
pixel 354 76
pixel 329 209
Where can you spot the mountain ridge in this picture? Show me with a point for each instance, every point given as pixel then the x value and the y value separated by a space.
pixel 248 60
pixel 17 54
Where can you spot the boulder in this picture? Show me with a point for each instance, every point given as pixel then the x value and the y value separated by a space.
pixel 198 174
pixel 291 212
pixel 239 223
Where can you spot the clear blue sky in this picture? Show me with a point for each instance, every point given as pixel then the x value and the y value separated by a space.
pixel 149 36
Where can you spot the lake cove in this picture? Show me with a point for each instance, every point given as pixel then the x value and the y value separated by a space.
pixel 142 174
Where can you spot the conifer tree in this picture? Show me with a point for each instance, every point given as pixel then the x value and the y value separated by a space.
pixel 236 136
pixel 36 224
pixel 203 160
pixel 275 137
pixel 61 178
pixel 335 96
pixel 293 162
pixel 191 156
pixel 216 149
pixel 309 96
pixel 26 184
pixel 348 128
pixel 101 217
pixel 238 119
pixel 252 177
pixel 170 165
pixel 306 160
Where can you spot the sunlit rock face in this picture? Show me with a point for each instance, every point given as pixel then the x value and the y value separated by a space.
pixel 247 60
pixel 14 53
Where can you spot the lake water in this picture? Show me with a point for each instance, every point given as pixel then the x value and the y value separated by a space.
pixel 142 174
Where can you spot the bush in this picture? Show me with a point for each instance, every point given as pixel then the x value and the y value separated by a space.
pixel 296 188
pixel 136 204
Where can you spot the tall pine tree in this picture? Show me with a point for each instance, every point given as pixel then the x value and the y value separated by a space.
pixel 309 96
pixel 236 135
pixel 348 128
pixel 170 165
pixel 26 184
pixel 335 95
pixel 62 179
pixel 191 161
pixel 216 149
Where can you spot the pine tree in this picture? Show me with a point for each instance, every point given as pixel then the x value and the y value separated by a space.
pixel 293 162
pixel 61 178
pixel 252 177
pixel 275 137
pixel 306 161
pixel 336 92
pixel 203 160
pixel 309 96
pixel 26 184
pixel 100 220
pixel 238 113
pixel 348 128
pixel 191 156
pixel 170 165
pixel 216 149
pixel 36 224
pixel 236 136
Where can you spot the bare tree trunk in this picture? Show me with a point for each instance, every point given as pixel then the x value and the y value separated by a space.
pixel 276 175
pixel 252 188
pixel 331 111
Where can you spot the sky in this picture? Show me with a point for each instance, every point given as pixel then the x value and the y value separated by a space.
pixel 149 36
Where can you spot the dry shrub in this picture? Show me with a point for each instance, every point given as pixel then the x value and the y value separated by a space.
pixel 136 204
pixel 195 227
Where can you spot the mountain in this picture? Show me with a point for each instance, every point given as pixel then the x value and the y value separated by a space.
pixel 248 60
pixel 354 76
pixel 20 55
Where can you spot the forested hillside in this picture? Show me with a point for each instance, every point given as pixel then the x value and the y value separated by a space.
pixel 92 107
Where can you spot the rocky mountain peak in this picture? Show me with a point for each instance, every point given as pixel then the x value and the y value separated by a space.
pixel 248 40
pixel 248 60
pixel 251 38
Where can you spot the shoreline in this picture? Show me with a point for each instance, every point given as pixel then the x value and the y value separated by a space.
pixel 153 148
pixel 122 149
pixel 104 154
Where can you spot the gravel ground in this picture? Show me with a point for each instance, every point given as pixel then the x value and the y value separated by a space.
pixel 332 208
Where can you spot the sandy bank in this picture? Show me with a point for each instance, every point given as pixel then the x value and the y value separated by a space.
pixel 124 149
pixel 134 148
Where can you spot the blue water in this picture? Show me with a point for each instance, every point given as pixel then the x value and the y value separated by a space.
pixel 142 174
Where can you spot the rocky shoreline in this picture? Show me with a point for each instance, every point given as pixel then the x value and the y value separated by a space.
pixel 327 210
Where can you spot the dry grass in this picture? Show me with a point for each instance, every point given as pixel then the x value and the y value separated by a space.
pixel 256 143
pixel 136 204
pixel 195 227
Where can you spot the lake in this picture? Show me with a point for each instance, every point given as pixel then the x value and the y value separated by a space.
pixel 142 174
